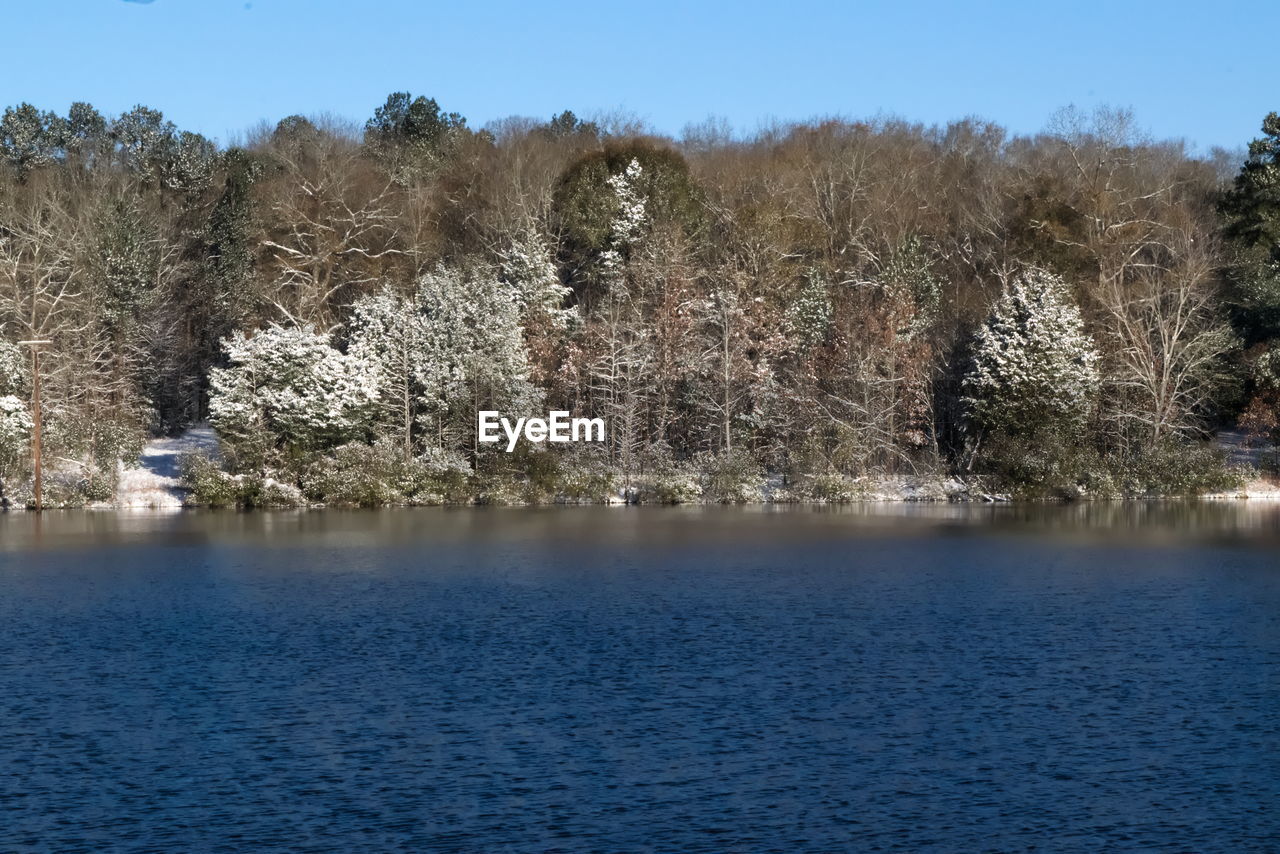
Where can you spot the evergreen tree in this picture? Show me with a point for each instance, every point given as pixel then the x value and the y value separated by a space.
pixel 290 388
pixel 1252 211
pixel 1034 367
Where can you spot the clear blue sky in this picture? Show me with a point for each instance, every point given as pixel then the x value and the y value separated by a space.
pixel 1202 71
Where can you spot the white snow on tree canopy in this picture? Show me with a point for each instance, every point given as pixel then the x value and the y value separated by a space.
pixel 1034 366
pixel 292 383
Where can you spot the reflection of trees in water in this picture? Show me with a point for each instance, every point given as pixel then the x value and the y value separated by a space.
pixel 1154 523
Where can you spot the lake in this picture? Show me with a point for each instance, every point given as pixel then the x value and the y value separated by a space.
pixel 893 678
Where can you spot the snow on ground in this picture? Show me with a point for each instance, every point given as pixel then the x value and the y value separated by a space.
pixel 1244 449
pixel 153 484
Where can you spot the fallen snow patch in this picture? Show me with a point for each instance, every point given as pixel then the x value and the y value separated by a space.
pixel 154 483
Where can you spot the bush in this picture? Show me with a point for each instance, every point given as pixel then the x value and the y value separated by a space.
pixel 1269 463
pixel 1042 465
pixel 673 483
pixel 439 476
pixel 376 475
pixel 590 480
pixel 733 477
pixel 1054 467
pixel 206 483
pixel 1172 467
pixel 830 487
pixel 209 486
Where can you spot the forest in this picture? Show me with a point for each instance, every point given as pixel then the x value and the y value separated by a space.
pixel 796 314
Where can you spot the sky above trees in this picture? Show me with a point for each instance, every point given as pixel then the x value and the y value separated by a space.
pixel 1189 70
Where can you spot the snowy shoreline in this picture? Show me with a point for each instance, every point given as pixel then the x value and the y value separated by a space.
pixel 154 484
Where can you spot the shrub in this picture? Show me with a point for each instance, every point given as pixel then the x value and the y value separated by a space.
pixel 209 486
pixel 733 477
pixel 1172 467
pixel 206 483
pixel 586 477
pixel 1040 465
pixel 831 487
pixel 375 475
pixel 674 483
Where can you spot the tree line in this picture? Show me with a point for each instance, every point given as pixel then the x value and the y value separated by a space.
pixel 1071 312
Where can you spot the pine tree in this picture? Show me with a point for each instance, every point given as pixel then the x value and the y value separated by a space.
pixel 1252 211
pixel 1034 366
pixel 387 332
pixel 290 385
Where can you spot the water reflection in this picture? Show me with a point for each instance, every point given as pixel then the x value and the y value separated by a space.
pixel 1254 523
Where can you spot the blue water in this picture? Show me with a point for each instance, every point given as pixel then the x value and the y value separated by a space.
pixel 601 679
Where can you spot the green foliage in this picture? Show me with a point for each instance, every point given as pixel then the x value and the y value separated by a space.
pixel 376 475
pixel 1251 209
pixel 730 477
pixel 809 314
pixel 1173 467
pixel 670 483
pixel 13 369
pixel 585 477
pixel 228 244
pixel 1043 464
pixel 126 264
pixel 410 133
pixel 30 138
pixel 157 152
pixel 290 385
pixel 1052 466
pixel 568 126
pixel 209 486
pixel 585 204
pixel 909 282
pixel 16 425
pixel 98 440
pixel 830 487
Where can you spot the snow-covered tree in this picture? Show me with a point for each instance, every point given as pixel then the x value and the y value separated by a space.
pixel 388 333
pixel 455 345
pixel 30 138
pixel 16 425
pixel 290 384
pixel 528 268
pixel 475 356
pixel 1034 366
pixel 13 368
pixel 808 316
pixel 629 218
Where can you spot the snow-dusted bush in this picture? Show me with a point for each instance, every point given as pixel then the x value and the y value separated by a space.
pixel 676 483
pixel 291 385
pixel 355 474
pixel 733 477
pixel 1034 366
pixel 808 316
pixel 586 477
pixel 831 487
pixel 380 474
pixel 1173 467
pixel 209 486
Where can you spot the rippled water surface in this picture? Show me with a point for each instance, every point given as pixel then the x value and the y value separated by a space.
pixel 607 679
